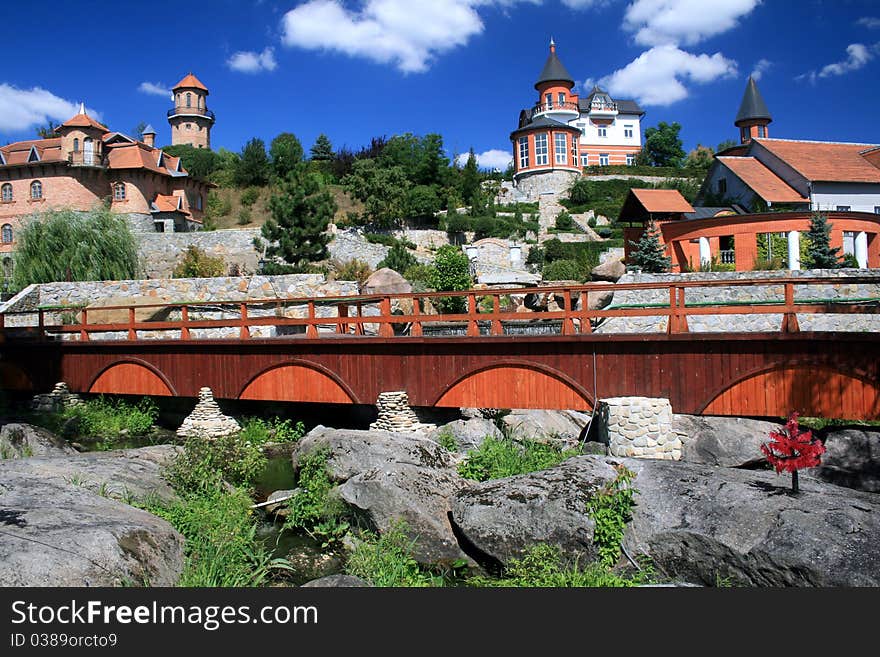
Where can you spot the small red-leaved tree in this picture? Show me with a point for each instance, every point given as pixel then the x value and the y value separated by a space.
pixel 791 449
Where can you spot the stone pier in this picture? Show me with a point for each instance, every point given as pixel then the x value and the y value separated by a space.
pixel 207 419
pixel 395 414
pixel 639 427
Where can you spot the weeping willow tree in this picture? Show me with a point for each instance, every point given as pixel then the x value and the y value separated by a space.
pixel 63 245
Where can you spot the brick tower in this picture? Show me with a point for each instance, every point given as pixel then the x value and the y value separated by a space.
pixel 190 119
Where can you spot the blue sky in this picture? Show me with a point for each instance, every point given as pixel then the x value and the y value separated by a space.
pixel 462 68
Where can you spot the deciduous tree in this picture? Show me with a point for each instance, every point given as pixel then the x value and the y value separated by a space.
pixel 663 147
pixel 791 449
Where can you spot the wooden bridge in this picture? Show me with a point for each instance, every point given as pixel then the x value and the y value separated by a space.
pixel 348 350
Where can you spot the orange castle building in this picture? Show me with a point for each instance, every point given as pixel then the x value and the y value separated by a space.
pixel 562 132
pixel 86 163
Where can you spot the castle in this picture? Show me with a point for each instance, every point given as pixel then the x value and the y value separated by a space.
pixel 85 163
pixel 562 132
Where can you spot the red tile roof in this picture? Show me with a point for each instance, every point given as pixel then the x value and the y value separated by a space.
pixel 49 150
pixel 823 161
pixel 140 156
pixel 168 203
pixel 762 180
pixel 662 200
pixel 83 121
pixel 190 82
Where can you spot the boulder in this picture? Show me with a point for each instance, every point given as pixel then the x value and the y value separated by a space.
pixel 386 281
pixel 701 524
pixel 611 270
pixel 730 442
pixel 468 433
pixel 337 581
pixel 852 459
pixel 384 477
pixel 502 518
pixel 599 299
pixel 546 425
pixel 60 534
pixel 25 440
pixel 119 474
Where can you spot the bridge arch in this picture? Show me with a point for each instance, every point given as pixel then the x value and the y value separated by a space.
pixel 132 376
pixel 515 384
pixel 13 377
pixel 299 381
pixel 813 390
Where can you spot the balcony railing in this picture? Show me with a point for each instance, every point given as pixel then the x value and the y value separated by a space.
pixel 87 159
pixel 567 106
pixel 193 111
pixel 602 107
pixel 728 257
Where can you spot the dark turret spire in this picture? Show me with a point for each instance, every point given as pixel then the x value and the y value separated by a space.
pixel 553 70
pixel 752 107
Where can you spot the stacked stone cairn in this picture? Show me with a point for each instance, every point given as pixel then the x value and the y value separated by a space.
pixel 395 414
pixel 639 427
pixel 57 400
pixel 207 420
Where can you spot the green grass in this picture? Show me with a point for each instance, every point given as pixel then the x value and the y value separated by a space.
pixel 387 560
pixel 611 509
pixel 317 508
pixel 258 431
pixel 207 462
pixel 222 548
pixel 498 458
pixel 105 417
pixel 543 566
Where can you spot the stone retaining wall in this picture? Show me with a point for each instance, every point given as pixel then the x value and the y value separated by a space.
pixel 639 427
pixel 838 288
pixel 159 253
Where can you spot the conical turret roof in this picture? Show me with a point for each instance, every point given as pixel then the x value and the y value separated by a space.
pixel 553 70
pixel 752 106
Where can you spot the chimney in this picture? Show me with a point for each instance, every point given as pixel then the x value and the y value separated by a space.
pixel 149 136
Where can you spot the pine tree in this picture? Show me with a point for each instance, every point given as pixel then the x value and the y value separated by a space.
pixel 286 152
pixel 253 167
pixel 322 150
pixel 398 258
pixel 470 180
pixel 301 212
pixel 791 449
pixel 820 255
pixel 650 254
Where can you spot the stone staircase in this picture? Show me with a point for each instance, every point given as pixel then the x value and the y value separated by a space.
pixel 549 208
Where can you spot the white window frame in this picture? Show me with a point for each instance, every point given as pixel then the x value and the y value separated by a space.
pixel 585 159
pixel 849 242
pixel 6 231
pixel 603 131
pixel 604 159
pixel 630 159
pixel 524 152
pixel 36 190
pixel 628 131
pixel 560 96
pixel 560 155
pixel 119 191
pixel 542 152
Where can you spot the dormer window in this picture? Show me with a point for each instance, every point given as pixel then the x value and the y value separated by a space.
pixel 119 191
pixel 33 156
pixel 36 190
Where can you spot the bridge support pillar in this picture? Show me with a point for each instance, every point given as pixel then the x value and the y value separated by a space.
pixel 639 427
pixel 794 250
pixel 395 414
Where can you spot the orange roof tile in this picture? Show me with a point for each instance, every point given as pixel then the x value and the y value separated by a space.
pixel 762 180
pixel 18 152
pixel 83 121
pixel 190 82
pixel 140 156
pixel 662 200
pixel 824 161
pixel 168 203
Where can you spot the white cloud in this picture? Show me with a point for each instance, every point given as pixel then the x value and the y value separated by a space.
pixel 22 108
pixel 246 61
pixel 407 33
pixel 155 89
pixel 857 56
pixel 492 159
pixel 656 76
pixel 664 22
pixel 761 67
pixel 583 4
pixel 870 22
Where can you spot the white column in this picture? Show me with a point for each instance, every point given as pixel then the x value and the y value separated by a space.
pixel 705 252
pixel 861 249
pixel 794 250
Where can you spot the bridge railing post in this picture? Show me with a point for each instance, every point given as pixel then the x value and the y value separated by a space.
pixel 473 329
pixel 132 334
pixel 359 327
pixel 789 317
pixel 568 320
pixel 184 322
pixel 245 332
pixel 341 313
pixel 385 328
pixel 416 328
pixel 677 322
pixel 497 328
pixel 311 328
pixel 83 323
